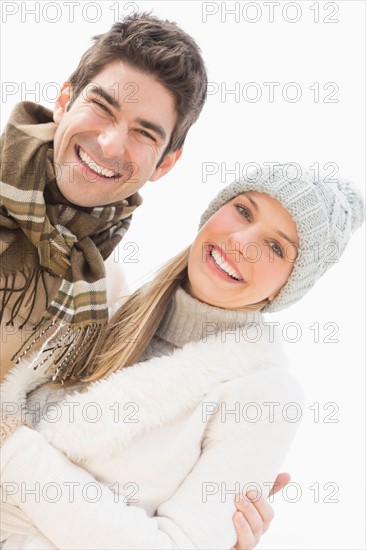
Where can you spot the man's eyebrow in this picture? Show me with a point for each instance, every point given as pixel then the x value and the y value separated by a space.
pixel 281 233
pixel 98 90
pixel 159 130
pixel 152 126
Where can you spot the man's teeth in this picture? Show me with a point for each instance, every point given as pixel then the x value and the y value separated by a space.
pixel 224 265
pixel 94 166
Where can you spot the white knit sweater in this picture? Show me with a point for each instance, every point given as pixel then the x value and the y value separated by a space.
pixel 156 452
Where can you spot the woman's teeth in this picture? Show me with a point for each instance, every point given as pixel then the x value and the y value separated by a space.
pixel 94 166
pixel 222 264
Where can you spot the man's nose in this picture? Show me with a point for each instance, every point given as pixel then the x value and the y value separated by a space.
pixel 113 141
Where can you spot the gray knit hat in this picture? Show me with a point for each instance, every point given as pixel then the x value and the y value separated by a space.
pixel 325 213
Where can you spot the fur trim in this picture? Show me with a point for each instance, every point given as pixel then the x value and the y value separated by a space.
pixel 18 382
pixel 151 394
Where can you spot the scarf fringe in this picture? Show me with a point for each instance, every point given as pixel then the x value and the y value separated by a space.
pixel 50 236
pixel 71 355
pixel 31 282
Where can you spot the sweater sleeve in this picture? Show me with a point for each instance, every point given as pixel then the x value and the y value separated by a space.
pixel 67 504
pixel 243 450
pixel 74 511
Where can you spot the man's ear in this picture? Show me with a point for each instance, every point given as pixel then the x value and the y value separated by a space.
pixel 167 164
pixel 62 102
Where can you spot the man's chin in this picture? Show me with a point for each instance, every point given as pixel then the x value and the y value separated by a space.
pixel 79 201
pixel 85 197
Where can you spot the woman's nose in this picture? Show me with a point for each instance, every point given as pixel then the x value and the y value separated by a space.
pixel 247 243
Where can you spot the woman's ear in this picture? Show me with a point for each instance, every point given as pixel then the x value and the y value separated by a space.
pixel 62 102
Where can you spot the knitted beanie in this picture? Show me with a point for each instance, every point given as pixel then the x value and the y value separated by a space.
pixel 325 213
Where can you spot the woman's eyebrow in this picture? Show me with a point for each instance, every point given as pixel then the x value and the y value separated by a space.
pixel 252 201
pixel 285 237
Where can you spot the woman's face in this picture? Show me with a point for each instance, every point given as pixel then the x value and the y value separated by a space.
pixel 244 253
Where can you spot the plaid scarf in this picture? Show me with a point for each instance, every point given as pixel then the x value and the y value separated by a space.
pixel 41 231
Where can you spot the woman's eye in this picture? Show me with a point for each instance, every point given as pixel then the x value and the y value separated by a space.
pixel 245 212
pixel 277 249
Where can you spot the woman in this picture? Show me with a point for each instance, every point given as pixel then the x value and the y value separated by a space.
pixel 205 397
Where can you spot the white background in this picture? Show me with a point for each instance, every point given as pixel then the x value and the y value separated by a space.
pixel 236 130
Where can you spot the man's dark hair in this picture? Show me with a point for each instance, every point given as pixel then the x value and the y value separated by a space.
pixel 159 48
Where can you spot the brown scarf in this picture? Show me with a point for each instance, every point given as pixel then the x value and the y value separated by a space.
pixel 40 230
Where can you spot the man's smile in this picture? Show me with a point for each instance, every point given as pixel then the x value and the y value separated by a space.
pixel 94 166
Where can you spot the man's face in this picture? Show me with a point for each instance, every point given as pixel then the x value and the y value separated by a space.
pixel 110 141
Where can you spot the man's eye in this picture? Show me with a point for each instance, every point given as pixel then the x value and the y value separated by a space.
pixel 145 134
pixel 245 212
pixel 102 106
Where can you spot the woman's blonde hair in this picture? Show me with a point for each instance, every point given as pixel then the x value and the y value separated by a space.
pixel 133 326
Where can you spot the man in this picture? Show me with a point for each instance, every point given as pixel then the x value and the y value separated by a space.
pixel 69 186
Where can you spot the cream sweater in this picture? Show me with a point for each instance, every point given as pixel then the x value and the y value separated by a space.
pixel 156 452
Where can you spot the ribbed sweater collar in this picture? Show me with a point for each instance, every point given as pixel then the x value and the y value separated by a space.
pixel 189 320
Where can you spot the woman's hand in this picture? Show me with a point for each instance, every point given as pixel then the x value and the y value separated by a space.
pixel 254 515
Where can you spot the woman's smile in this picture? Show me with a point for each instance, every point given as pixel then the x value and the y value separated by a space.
pixel 222 266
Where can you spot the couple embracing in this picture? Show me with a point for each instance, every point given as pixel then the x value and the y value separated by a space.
pixel 158 465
